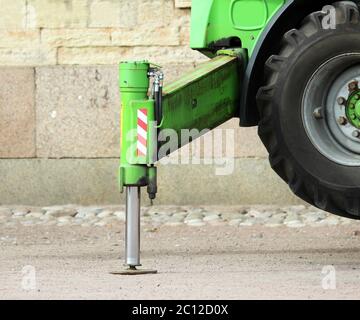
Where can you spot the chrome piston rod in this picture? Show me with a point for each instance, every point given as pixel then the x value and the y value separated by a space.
pixel 132 232
pixel 132 235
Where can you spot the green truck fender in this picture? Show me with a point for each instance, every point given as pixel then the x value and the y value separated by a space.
pixel 261 35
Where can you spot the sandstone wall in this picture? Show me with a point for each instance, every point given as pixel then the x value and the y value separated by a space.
pixel 59 102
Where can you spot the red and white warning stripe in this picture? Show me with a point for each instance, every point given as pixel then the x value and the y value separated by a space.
pixel 142 125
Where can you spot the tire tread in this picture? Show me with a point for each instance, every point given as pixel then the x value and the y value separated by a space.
pixel 347 12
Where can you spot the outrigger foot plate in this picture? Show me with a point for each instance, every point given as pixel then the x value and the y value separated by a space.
pixel 132 271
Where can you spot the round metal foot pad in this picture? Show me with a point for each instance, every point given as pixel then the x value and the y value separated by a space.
pixel 133 272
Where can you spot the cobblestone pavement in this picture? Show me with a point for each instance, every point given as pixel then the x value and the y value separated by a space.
pixel 155 216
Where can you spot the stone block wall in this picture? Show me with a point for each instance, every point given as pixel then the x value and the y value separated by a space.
pixel 68 32
pixel 59 103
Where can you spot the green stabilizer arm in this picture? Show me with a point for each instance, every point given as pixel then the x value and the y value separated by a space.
pixel 136 167
pixel 202 99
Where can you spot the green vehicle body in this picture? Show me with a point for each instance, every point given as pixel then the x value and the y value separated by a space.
pixel 212 20
pixel 255 25
pixel 200 100
pixel 238 36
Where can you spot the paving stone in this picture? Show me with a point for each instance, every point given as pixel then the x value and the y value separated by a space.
pixel 181 214
pixel 57 213
pixel 295 209
pixel 176 219
pixel 100 224
pixel 20 213
pixel 120 215
pixel 105 214
pixel 332 221
pixel 194 216
pixel 274 222
pixel 35 215
pixel 214 217
pixel 232 216
pixel 158 216
pixel 192 221
pixel 64 219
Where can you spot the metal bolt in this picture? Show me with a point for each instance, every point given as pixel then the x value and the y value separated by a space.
pixel 342 121
pixel 341 101
pixel 353 85
pixel 318 113
pixel 194 103
pixel 356 134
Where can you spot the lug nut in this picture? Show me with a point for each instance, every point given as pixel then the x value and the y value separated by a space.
pixel 353 85
pixel 356 134
pixel 318 114
pixel 342 121
pixel 341 101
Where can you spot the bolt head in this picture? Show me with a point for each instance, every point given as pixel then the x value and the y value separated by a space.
pixel 342 121
pixel 194 103
pixel 356 134
pixel 318 113
pixel 353 85
pixel 341 101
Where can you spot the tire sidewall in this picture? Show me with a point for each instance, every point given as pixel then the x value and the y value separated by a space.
pixel 290 87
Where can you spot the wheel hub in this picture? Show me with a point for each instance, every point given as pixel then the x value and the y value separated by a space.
pixel 353 109
pixel 347 109
pixel 331 109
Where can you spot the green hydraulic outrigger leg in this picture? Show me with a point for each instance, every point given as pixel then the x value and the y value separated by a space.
pixel 202 99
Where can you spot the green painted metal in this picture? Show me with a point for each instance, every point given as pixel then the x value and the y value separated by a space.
pixel 212 20
pixel 134 84
pixel 152 182
pixel 204 98
pixel 353 109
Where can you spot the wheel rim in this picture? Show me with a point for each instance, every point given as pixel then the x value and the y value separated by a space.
pixel 331 109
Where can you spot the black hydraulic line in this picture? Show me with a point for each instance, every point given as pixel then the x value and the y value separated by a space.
pixel 158 112
pixel 157 102
pixel 160 98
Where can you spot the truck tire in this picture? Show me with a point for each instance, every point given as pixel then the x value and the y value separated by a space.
pixel 310 110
